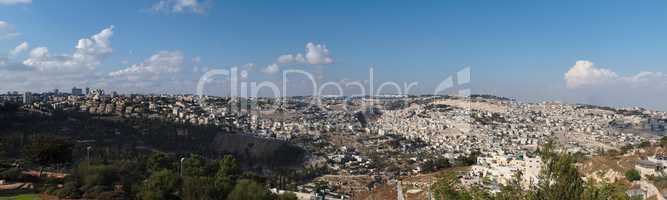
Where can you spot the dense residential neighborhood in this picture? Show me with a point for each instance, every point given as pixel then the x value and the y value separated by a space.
pixel 382 140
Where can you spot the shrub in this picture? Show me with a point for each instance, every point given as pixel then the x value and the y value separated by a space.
pixel 632 175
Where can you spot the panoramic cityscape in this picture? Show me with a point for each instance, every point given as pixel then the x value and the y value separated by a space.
pixel 310 100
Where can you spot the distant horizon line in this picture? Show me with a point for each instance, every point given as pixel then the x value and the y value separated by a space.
pixel 486 96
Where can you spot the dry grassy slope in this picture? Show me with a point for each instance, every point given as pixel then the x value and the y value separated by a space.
pixel 613 168
pixel 620 163
pixel 417 182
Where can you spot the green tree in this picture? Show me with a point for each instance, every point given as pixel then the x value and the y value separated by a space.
pixel 130 174
pixel 513 190
pixel 448 187
pixel 47 150
pixel 663 141
pixel 161 185
pixel 11 145
pixel 159 161
pixel 559 178
pixel 249 190
pixel 199 188
pixel 12 174
pixel 228 166
pixel 604 191
pixel 435 164
pixel 95 175
pixel 195 165
pixel 468 160
pixel 228 172
pixel 644 144
pixel 632 175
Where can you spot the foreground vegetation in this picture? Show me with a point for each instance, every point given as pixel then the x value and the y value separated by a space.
pixel 79 156
pixel 154 177
pixel 22 197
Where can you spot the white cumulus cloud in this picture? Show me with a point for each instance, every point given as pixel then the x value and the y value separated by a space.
pixel 162 72
pixel 42 70
pixel 180 6
pixel 88 53
pixel 290 59
pixel 151 68
pixel 589 84
pixel 18 49
pixel 645 76
pixel 316 54
pixel 585 73
pixel 271 69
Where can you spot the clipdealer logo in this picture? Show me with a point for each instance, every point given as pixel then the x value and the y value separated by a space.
pixel 240 88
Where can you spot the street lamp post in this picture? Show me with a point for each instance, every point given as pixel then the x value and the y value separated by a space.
pixel 181 169
pixel 88 152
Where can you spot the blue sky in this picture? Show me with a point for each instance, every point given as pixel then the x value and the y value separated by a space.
pixel 520 49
